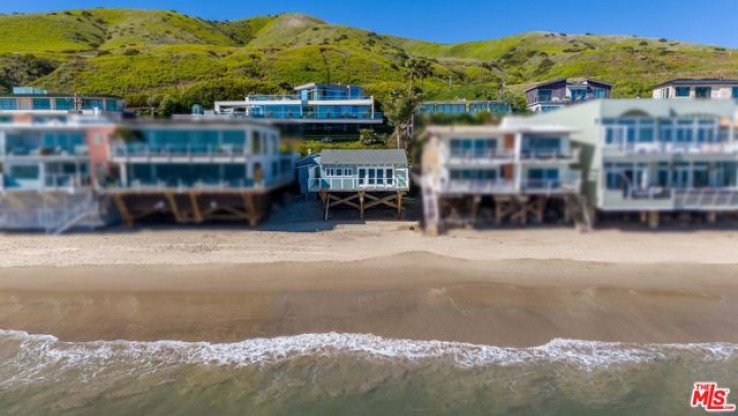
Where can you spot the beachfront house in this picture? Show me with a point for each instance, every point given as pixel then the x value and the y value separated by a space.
pixel 514 172
pixel 716 88
pixel 553 95
pixel 316 107
pixel 457 107
pixel 197 170
pixel 360 179
pixel 27 104
pixel 46 174
pixel 655 157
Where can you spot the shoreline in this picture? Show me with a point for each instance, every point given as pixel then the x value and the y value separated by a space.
pixel 420 296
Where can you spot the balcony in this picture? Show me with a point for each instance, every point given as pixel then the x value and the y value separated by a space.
pixel 66 181
pixel 508 187
pixel 667 148
pixel 480 157
pixel 50 152
pixel 277 115
pixel 550 155
pixel 358 184
pixel 179 153
pixel 669 199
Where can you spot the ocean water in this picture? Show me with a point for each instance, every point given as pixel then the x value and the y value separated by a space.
pixel 353 374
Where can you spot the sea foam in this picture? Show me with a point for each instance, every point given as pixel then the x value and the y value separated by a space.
pixel 33 355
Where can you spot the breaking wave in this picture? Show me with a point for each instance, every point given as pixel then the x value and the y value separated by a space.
pixel 27 358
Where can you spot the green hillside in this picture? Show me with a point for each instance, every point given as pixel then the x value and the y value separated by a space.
pixel 178 58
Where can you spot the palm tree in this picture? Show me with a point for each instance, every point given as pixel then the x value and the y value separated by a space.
pixel 417 68
pixel 400 109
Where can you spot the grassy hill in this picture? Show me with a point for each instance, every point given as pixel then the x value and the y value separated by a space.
pixel 143 53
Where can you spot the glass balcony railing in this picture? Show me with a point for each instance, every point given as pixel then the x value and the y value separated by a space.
pixel 66 180
pixel 79 150
pixel 311 116
pixel 145 150
pixel 298 98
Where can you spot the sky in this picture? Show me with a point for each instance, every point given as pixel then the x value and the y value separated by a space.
pixel 453 21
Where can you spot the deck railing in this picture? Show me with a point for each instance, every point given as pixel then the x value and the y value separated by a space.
pixel 357 184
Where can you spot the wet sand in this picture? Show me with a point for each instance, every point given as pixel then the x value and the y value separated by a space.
pixel 414 295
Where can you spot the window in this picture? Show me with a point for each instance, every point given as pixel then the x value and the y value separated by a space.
pixel 8 104
pixel 112 105
pixel 256 143
pixel 543 178
pixel 682 91
pixel 703 92
pixel 578 95
pixel 91 103
pixel 545 96
pixel 41 104
pixel 600 93
pixel 24 171
pixel 65 104
pixel 735 92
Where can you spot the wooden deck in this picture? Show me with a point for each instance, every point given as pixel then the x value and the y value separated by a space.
pixel 193 206
pixel 361 201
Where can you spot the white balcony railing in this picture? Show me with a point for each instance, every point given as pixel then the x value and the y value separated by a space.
pixel 504 186
pixel 481 156
pixel 358 184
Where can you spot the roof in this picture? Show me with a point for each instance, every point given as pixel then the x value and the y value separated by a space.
pixel 510 125
pixel 319 84
pixel 68 96
pixel 698 81
pixel 666 108
pixel 572 81
pixel 464 101
pixel 363 156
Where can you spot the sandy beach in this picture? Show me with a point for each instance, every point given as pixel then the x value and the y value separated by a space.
pixel 513 288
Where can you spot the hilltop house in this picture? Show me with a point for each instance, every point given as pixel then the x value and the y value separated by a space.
pixel 464 107
pixel 27 104
pixel 315 107
pixel 697 88
pixel 559 93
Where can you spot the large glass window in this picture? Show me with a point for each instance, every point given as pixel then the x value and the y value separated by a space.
pixel 703 92
pixel 545 96
pixel 578 95
pixel 600 93
pixel 112 105
pixel 24 171
pixel 92 103
pixel 41 104
pixel 735 92
pixel 682 91
pixel 65 104
pixel 8 104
